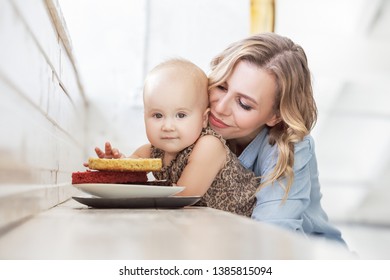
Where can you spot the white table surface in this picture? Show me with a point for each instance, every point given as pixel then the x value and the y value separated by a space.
pixel 74 231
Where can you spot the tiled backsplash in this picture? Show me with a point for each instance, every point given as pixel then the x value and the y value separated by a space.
pixel 42 110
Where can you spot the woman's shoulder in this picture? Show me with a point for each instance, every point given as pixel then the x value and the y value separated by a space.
pixel 306 143
pixel 304 152
pixel 305 147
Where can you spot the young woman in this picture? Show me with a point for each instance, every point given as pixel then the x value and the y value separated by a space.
pixel 261 102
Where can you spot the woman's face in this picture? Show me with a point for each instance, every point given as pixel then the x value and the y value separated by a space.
pixel 243 105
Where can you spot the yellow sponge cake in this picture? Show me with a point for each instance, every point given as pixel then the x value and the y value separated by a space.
pixel 125 164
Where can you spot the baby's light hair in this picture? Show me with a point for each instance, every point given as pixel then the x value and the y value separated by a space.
pixel 185 68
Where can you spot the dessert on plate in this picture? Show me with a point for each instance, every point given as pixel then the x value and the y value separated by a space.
pixel 117 171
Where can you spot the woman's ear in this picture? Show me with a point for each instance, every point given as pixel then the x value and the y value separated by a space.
pixel 274 120
pixel 206 117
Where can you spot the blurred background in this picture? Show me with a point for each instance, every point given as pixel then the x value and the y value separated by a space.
pixel 113 44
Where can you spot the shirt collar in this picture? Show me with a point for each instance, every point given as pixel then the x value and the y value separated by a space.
pixel 249 156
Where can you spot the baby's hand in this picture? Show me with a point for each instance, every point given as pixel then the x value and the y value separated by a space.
pixel 109 152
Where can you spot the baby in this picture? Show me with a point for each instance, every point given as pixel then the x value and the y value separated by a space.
pixel 176 111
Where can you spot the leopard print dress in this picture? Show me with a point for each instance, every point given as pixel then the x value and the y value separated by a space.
pixel 233 189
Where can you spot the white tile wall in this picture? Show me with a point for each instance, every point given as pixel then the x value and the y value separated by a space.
pixel 42 111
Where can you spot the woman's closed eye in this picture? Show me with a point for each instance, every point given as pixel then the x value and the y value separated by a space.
pixel 243 105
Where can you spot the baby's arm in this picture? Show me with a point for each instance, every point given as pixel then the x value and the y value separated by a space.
pixel 142 152
pixel 206 160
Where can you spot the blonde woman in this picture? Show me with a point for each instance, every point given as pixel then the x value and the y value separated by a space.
pixel 261 102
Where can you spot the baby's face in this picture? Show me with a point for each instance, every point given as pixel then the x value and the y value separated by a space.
pixel 174 113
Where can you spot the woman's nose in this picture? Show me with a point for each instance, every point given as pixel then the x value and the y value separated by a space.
pixel 223 105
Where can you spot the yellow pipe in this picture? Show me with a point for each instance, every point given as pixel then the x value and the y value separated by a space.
pixel 262 16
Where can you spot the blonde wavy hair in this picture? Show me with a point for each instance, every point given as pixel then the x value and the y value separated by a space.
pixel 294 103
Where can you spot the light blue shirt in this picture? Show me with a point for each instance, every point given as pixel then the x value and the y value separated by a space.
pixel 302 211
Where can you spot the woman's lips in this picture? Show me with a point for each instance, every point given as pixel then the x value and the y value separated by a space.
pixel 217 122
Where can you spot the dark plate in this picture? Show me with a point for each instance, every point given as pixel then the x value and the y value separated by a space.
pixel 139 202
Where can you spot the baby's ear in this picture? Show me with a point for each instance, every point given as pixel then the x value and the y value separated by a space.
pixel 206 117
pixel 274 120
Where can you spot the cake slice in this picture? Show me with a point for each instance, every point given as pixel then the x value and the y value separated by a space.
pixel 125 164
pixel 108 177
